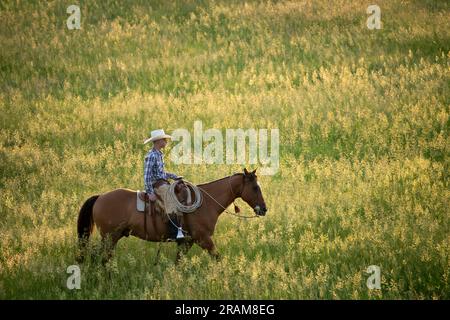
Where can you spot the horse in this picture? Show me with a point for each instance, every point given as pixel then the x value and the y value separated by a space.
pixel 115 215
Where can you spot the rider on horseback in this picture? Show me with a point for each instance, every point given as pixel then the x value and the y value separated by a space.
pixel 154 174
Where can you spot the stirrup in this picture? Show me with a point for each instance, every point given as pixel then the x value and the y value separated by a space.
pixel 180 234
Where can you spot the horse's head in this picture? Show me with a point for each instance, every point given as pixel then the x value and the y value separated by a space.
pixel 251 193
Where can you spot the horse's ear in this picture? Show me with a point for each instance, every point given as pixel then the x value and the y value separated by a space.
pixel 254 171
pixel 246 172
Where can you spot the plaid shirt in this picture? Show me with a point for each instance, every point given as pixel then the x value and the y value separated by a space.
pixel 154 169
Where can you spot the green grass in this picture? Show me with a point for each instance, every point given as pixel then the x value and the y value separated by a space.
pixel 364 125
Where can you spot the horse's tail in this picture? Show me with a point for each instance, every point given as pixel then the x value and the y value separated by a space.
pixel 85 224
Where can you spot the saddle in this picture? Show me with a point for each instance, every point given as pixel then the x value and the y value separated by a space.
pixel 142 198
pixel 143 204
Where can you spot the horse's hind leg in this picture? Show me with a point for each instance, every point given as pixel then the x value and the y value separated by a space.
pixel 109 242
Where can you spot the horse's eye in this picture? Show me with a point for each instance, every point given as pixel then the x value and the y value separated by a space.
pixel 255 188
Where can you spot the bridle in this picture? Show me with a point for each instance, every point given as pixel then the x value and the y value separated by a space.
pixel 235 206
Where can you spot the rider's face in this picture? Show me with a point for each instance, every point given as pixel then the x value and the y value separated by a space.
pixel 161 143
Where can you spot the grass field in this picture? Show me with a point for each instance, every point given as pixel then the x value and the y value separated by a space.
pixel 364 143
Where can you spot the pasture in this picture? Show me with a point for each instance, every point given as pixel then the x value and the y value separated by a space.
pixel 363 117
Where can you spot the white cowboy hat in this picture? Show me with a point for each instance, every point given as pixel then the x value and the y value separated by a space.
pixel 157 135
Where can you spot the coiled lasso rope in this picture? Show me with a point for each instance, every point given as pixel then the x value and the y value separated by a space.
pixel 172 198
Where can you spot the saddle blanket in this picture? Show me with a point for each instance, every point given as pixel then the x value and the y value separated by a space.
pixel 140 205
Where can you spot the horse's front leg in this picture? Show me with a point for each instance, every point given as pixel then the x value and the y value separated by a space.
pixel 207 244
pixel 183 248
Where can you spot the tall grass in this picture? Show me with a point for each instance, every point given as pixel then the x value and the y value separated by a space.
pixel 364 127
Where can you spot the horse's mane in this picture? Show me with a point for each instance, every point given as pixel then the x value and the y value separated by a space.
pixel 206 183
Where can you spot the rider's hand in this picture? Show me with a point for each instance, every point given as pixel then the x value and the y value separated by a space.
pixel 152 197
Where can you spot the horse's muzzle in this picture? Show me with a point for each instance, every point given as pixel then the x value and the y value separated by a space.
pixel 260 211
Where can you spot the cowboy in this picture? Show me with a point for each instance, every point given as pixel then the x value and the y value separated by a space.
pixel 154 173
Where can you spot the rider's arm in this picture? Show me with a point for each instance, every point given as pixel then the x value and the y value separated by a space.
pixel 149 161
pixel 171 175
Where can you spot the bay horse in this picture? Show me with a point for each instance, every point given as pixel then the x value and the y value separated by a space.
pixel 115 215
